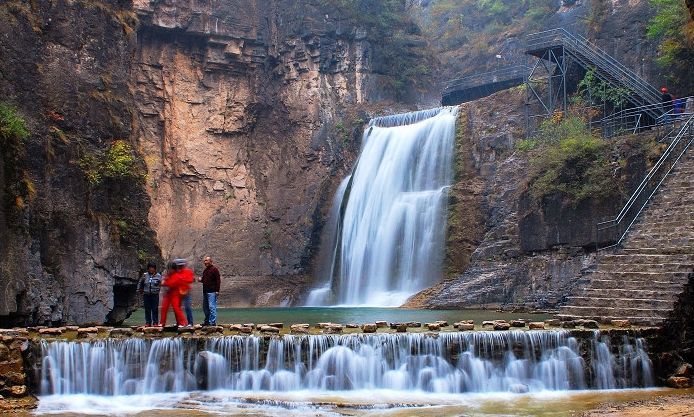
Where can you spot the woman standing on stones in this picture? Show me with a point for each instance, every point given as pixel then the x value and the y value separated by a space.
pixel 177 284
pixel 149 285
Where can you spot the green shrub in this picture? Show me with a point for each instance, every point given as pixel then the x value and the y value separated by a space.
pixel 571 161
pixel 12 127
pixel 674 30
pixel 526 145
pixel 118 162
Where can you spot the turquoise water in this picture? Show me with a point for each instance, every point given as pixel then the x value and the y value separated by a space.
pixel 313 315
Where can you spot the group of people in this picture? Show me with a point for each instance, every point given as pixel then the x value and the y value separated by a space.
pixel 674 107
pixel 176 284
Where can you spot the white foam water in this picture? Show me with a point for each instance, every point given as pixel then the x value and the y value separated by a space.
pixel 447 363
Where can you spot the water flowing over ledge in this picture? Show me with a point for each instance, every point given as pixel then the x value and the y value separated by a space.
pixel 515 361
pixel 388 221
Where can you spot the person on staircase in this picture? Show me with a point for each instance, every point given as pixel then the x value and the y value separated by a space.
pixel 177 284
pixel 667 103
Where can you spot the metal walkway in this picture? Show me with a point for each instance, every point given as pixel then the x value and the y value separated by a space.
pixel 556 48
pixel 476 86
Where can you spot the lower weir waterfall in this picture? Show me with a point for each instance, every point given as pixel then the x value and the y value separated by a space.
pixel 387 227
pixel 515 361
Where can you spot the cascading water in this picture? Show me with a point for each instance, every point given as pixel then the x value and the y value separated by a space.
pixel 446 363
pixel 388 235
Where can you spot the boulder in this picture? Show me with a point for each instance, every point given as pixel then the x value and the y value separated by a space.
pixel 487 323
pixel 246 329
pixel 622 324
pixel 517 323
pixel 86 332
pixel 333 329
pixel 684 370
pixel 552 322
pixel 466 326
pixel 299 328
pixel 434 327
pixel 211 329
pixel 442 323
pixel 414 324
pixel 381 324
pixel 568 324
pixel 324 325
pixel 269 329
pixel 352 326
pixel 18 390
pixel 120 332
pixel 251 325
pixel 679 382
pixel 536 325
pixel 369 327
pixel 278 325
pixel 72 328
pixel 14 378
pixel 185 329
pixel 589 324
pixel 501 325
pixel 401 328
pixel 152 330
pixel 52 331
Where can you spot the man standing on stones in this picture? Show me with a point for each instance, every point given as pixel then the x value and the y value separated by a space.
pixel 211 282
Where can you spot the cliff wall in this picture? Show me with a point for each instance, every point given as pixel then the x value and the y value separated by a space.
pixel 69 247
pixel 243 111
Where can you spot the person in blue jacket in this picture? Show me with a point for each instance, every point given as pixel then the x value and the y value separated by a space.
pixel 149 286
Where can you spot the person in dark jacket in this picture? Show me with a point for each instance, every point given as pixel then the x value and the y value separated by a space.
pixel 667 102
pixel 211 282
pixel 149 286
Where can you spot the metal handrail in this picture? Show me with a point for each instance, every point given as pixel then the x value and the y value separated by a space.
pixel 630 120
pixel 648 187
pixel 599 57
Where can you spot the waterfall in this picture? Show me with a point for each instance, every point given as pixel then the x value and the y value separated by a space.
pixel 390 230
pixel 514 361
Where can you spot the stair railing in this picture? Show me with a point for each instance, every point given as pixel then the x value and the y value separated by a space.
pixel 611 233
pixel 632 120
pixel 595 57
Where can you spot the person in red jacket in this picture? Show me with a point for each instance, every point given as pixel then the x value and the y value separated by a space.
pixel 177 283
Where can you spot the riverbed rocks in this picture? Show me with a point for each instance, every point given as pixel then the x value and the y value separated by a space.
pixel 52 331
pixel 211 330
pixel 433 327
pixel 269 329
pixel 381 324
pixel 536 325
pixel 501 325
pixel 679 382
pixel 552 322
pixel 122 332
pixel 301 328
pixel 621 324
pixel 84 332
pixel 369 327
pixel 517 323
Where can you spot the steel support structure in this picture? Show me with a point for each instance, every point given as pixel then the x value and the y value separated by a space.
pixel 546 85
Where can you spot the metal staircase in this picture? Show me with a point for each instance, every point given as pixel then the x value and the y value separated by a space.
pixel 556 45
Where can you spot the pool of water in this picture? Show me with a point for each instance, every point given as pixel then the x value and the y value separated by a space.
pixel 361 403
pixel 313 315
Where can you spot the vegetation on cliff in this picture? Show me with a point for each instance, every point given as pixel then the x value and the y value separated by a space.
pixel 13 132
pixel 674 29
pixel 475 33
pixel 567 158
pixel 117 162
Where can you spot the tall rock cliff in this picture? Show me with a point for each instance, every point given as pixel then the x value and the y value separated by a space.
pixel 71 227
pixel 202 128
pixel 240 111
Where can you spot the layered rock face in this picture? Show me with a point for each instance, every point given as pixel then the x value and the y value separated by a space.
pixel 235 103
pixel 69 247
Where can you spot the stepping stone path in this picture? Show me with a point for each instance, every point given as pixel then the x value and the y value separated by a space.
pixel 641 281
